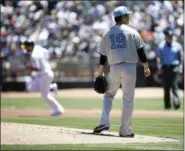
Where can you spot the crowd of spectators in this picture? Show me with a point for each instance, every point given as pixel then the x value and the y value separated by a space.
pixel 69 27
pixel 72 28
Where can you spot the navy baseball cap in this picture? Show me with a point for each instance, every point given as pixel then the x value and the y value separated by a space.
pixel 120 11
pixel 168 32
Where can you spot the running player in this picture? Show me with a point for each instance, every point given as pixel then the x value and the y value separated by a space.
pixel 42 82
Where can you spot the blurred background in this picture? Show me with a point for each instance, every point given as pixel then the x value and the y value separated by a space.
pixel 71 31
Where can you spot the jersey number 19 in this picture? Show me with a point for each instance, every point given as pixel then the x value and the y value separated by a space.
pixel 117 40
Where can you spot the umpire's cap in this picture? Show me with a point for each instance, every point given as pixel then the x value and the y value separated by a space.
pixel 120 11
pixel 168 31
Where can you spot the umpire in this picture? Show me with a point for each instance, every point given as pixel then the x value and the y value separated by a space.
pixel 169 63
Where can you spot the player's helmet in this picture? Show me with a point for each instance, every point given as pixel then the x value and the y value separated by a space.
pixel 120 11
pixel 28 43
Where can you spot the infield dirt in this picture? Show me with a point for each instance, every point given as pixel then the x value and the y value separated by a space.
pixel 14 133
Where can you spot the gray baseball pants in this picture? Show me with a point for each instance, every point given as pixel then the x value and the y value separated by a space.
pixel 124 74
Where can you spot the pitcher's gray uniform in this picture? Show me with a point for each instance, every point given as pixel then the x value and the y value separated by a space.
pixel 120 44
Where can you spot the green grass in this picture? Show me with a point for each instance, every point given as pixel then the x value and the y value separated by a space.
pixel 63 147
pixel 162 127
pixel 161 146
pixel 170 128
pixel 71 103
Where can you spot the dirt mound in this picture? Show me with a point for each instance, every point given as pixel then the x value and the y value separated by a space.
pixel 14 133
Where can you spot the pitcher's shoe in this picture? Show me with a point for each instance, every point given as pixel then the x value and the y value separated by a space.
pixel 56 113
pixel 176 106
pixel 100 128
pixel 128 135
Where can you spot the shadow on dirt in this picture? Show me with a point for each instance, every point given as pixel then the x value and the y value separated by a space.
pixel 99 134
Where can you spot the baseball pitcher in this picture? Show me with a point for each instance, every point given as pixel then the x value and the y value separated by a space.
pixel 122 47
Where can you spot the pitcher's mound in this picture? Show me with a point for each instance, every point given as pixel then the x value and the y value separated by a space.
pixel 14 133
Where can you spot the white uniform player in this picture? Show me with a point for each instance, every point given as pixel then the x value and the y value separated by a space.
pixel 122 47
pixel 42 80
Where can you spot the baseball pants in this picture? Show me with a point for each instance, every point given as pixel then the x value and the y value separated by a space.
pixel 170 81
pixel 124 74
pixel 43 83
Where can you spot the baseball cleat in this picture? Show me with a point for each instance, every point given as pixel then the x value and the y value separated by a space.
pixel 176 106
pixel 128 136
pixel 56 113
pixel 100 128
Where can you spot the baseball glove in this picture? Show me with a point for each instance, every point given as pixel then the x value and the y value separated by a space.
pixel 100 84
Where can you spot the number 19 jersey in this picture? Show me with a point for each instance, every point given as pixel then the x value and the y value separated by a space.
pixel 120 44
